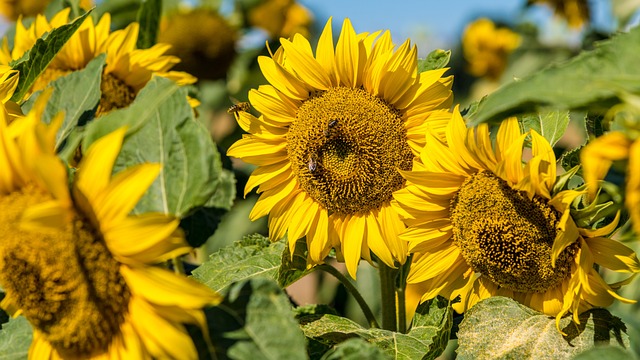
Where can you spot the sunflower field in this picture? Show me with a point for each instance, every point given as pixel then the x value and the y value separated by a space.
pixel 241 180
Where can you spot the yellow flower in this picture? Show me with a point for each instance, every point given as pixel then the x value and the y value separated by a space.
pixel 576 12
pixel 281 18
pixel 487 48
pixel 481 224
pixel 334 129
pixel 8 84
pixel 12 9
pixel 206 50
pixel 598 156
pixel 127 69
pixel 81 269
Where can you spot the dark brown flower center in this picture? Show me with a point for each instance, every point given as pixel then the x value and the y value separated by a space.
pixel 346 147
pixel 506 236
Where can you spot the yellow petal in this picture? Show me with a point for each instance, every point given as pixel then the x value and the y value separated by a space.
pixel 351 238
pixel 613 254
pixel 348 58
pixel 307 67
pixel 94 171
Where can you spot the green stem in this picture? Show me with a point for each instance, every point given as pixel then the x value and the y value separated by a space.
pixel 178 266
pixel 388 293
pixel 352 289
pixel 402 285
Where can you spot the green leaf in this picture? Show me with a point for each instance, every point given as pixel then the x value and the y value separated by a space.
pixel 255 322
pixel 149 20
pixel 593 125
pixel 162 129
pixel 76 95
pixel 606 352
pixel 226 191
pixel 571 158
pixel 501 328
pixel 424 341
pixel 437 59
pixel 36 60
pixel 15 339
pixel 355 349
pixel 253 256
pixel 592 79
pixel 551 124
pixel 293 268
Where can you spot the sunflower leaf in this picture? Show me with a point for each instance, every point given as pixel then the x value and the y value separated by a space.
pixel 437 59
pixel 252 256
pixel 355 349
pixel 162 129
pixel 501 328
pixel 255 321
pixel 592 80
pixel 149 20
pixel 15 339
pixel 550 124
pixel 76 95
pixel 424 340
pixel 293 268
pixel 36 60
pixel 606 352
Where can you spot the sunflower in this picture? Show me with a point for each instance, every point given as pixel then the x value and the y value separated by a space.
pixel 206 50
pixel 334 130
pixel 127 69
pixel 481 224
pixel 598 156
pixel 281 18
pixel 576 12
pixel 8 84
pixel 487 47
pixel 79 268
pixel 13 9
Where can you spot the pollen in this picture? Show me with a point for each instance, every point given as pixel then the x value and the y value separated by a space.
pixel 346 147
pixel 66 282
pixel 116 94
pixel 508 237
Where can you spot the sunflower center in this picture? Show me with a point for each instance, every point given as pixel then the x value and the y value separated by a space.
pixel 67 283
pixel 48 75
pixel 346 147
pixel 116 94
pixel 506 236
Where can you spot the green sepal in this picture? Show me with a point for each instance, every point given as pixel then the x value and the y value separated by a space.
pixel 437 59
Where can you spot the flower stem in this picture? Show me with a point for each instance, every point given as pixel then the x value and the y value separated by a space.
pixel 400 290
pixel 352 289
pixel 388 293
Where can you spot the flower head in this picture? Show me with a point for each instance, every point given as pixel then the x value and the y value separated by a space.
pixel 281 18
pixel 13 9
pixel 481 224
pixel 486 48
pixel 206 50
pixel 127 68
pixel 335 128
pixel 576 12
pixel 80 268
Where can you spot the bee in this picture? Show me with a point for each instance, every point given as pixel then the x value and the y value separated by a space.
pixel 237 107
pixel 330 126
pixel 313 164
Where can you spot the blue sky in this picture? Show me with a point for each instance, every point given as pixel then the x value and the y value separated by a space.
pixel 430 24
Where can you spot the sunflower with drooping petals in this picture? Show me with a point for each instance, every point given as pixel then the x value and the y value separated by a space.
pixel 481 224
pixel 335 128
pixel 80 268
pixel 127 68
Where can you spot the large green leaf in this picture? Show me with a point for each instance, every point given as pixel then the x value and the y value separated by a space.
pixel 76 95
pixel 255 322
pixel 162 129
pixel 253 256
pixel 591 79
pixel 550 124
pixel 501 328
pixel 606 352
pixel 293 268
pixel 15 339
pixel 355 349
pixel 424 341
pixel 149 20
pixel 36 60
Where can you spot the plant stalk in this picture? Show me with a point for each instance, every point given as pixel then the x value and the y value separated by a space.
pixel 388 293
pixel 353 290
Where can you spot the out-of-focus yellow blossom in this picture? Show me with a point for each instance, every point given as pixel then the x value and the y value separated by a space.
pixel 576 12
pixel 13 9
pixel 487 47
pixel 281 18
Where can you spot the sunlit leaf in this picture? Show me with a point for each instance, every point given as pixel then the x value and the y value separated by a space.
pixel 501 328
pixel 437 59
pixel 592 79
pixel 15 339
pixel 551 124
